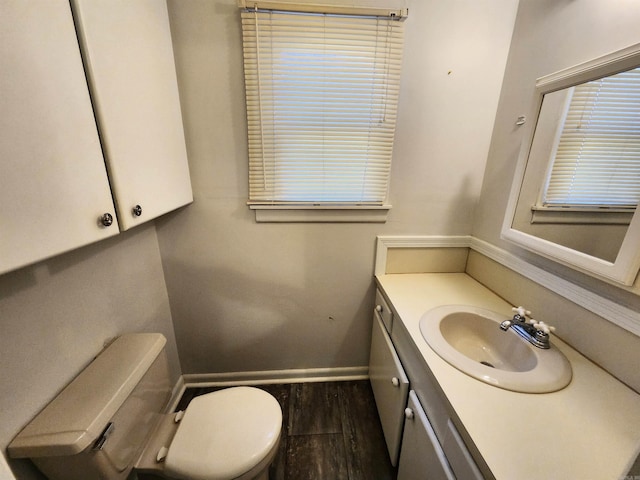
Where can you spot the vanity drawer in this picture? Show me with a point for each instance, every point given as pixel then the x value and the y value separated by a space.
pixel 384 311
pixel 421 458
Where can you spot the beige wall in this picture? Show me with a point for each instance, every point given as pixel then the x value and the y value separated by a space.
pixel 255 297
pixel 55 316
pixel 427 259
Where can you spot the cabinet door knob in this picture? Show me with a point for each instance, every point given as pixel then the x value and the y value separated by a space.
pixel 106 220
pixel 137 211
pixel 395 381
pixel 379 308
pixel 408 413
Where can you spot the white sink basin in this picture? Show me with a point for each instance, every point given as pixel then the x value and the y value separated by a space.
pixel 470 339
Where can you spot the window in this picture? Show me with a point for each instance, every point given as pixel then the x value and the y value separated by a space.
pixel 597 158
pixel 321 94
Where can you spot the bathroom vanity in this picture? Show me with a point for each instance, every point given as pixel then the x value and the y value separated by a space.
pixel 457 427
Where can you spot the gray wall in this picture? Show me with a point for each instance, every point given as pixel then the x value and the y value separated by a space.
pixel 55 316
pixel 550 35
pixel 256 297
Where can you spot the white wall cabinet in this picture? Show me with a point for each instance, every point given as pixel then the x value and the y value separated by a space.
pixel 53 182
pixel 128 55
pixel 54 185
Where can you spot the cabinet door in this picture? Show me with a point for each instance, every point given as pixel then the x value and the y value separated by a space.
pixel 421 457
pixel 390 386
pixel 53 182
pixel 129 62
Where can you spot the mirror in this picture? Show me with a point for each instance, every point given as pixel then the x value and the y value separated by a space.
pixel 555 208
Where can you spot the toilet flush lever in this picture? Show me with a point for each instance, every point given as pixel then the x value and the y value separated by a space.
pixel 108 430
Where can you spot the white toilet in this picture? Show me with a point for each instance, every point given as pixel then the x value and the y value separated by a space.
pixel 108 422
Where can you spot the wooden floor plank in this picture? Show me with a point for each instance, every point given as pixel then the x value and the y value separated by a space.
pixel 316 457
pixel 366 451
pixel 313 409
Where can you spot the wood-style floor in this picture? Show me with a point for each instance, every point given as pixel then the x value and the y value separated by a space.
pixel 331 431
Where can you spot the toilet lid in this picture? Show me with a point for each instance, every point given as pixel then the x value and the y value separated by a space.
pixel 224 434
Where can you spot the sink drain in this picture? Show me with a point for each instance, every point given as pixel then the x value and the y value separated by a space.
pixel 487 364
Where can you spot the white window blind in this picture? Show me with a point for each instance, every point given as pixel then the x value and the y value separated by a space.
pixel 321 94
pixel 597 163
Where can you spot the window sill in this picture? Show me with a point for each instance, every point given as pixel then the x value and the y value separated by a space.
pixel 320 213
pixel 581 216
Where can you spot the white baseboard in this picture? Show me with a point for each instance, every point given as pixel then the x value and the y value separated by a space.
pixel 275 376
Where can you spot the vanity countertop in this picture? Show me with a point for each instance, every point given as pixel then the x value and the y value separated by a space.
pixel 588 430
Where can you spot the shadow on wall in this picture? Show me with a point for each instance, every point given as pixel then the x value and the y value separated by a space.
pixel 268 297
pixel 461 208
pixel 207 42
pixel 23 470
pixel 26 278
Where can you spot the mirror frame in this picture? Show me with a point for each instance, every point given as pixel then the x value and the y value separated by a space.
pixel 625 268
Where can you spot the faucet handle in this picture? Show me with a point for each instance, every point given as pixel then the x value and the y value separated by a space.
pixel 543 327
pixel 521 311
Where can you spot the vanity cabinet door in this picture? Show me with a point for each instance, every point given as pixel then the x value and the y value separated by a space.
pixel 53 181
pixel 390 386
pixel 130 66
pixel 421 457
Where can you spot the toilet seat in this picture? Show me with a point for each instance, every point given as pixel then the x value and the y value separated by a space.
pixel 224 434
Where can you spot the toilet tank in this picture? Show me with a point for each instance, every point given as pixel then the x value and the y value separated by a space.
pixel 97 426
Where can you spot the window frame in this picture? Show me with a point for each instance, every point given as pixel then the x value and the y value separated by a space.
pixel 319 211
pixel 545 211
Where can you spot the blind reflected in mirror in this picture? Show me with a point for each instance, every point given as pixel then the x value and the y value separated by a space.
pixel 582 180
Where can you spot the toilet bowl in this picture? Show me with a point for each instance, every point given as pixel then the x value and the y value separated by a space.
pixel 109 421
pixel 229 434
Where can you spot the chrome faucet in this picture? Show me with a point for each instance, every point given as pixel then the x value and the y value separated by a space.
pixel 534 332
